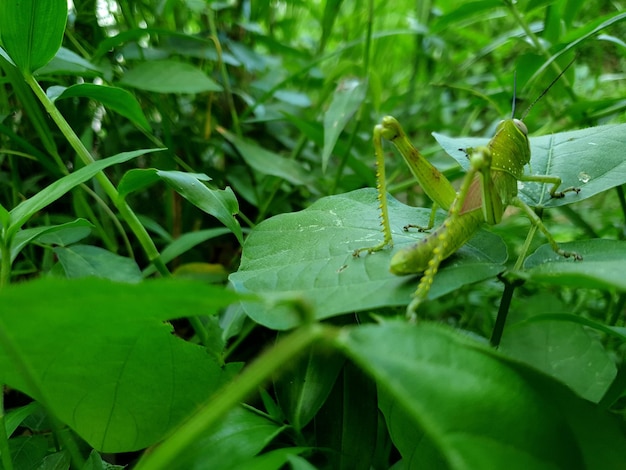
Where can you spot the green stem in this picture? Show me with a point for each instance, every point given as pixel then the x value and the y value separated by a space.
pixel 124 209
pixel 525 248
pixel 67 441
pixel 5 263
pixel 165 454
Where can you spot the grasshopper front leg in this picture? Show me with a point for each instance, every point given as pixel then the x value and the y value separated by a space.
pixel 433 182
pixel 555 181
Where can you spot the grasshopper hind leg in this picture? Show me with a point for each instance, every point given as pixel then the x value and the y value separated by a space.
pixel 536 221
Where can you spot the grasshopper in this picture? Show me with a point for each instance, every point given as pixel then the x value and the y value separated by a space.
pixel 489 186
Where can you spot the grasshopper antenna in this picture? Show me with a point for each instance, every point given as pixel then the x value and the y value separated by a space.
pixel 514 94
pixel 544 91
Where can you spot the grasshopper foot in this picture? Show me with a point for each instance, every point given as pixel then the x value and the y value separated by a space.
pixel 561 194
pixel 372 249
pixel 571 254
pixel 357 253
pixel 420 228
pixel 411 310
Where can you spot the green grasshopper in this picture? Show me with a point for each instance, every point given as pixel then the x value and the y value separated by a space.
pixel 489 186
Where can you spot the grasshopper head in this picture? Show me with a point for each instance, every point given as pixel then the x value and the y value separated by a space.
pixel 521 126
pixel 511 127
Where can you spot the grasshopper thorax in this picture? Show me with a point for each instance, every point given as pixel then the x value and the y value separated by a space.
pixel 510 148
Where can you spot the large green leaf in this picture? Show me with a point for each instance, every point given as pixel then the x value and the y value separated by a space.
pixel 31 31
pixel 309 253
pixel 101 356
pixel 591 159
pixel 602 266
pixel 476 408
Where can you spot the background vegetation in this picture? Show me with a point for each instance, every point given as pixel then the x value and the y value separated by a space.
pixel 196 167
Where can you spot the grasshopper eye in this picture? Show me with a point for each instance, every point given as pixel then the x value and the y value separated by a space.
pixel 521 126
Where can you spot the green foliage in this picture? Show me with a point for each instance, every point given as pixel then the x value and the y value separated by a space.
pixel 224 148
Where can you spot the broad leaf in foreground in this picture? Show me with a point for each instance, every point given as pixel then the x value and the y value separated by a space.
pixel 309 254
pixel 469 407
pixel 102 358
